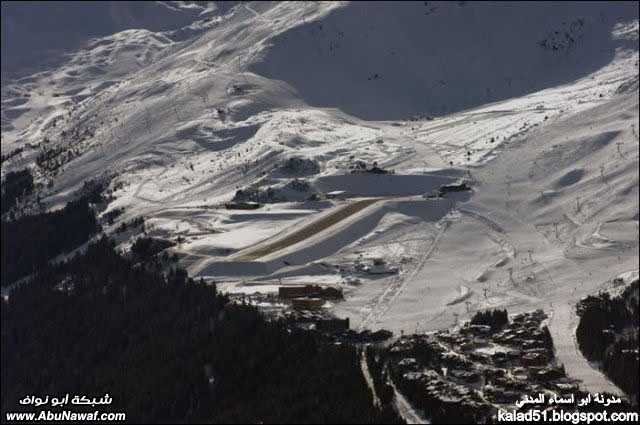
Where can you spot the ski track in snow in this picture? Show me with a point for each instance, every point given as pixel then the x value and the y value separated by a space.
pixel 405 409
pixel 392 292
pixel 367 376
pixel 563 326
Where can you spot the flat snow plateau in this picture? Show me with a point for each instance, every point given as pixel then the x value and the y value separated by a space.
pixel 535 106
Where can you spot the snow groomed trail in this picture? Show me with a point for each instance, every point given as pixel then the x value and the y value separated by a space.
pixel 388 297
pixel 563 329
pixel 404 408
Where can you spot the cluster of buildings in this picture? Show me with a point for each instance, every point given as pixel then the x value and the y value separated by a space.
pixel 359 166
pixel 370 266
pixel 307 302
pixel 293 292
pixel 454 187
pixel 307 312
pixel 251 205
pixel 477 368
pixel 308 297
pixel 303 306
pixel 319 320
pixel 448 188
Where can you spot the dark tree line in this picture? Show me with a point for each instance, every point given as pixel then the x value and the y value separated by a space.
pixel 376 362
pixel 438 412
pixel 11 154
pixel 146 247
pixel 30 241
pixel 15 185
pixel 608 333
pixel 110 217
pixel 135 222
pixel 170 349
pixel 496 319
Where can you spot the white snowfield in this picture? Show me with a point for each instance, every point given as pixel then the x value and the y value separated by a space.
pixel 534 105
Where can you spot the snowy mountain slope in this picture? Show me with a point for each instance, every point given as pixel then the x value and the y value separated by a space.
pixel 36 35
pixel 259 96
pixel 431 58
pixel 514 212
pixel 49 94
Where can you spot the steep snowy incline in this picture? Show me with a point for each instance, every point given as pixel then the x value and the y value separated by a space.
pixel 195 97
pixel 552 217
pixel 37 35
pixel 395 60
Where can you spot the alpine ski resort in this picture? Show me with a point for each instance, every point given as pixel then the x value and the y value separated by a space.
pixel 320 212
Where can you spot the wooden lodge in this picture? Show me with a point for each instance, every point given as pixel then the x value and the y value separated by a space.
pixel 328 293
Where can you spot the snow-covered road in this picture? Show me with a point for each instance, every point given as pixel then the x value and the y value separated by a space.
pixel 562 326
pixel 405 409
